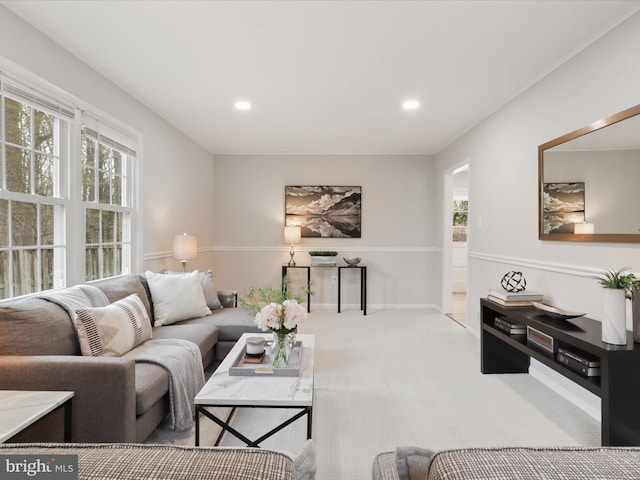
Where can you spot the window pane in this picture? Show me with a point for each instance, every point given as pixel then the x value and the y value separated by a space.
pixel 4 275
pixel 104 187
pixel 117 162
pixel 17 121
pixel 4 224
pixel 92 262
pixel 108 268
pixel 88 152
pixel 93 226
pixel 119 219
pixel 88 184
pixel 116 194
pixel 104 175
pixel 24 220
pixel 46 224
pixel 107 226
pixel 459 218
pixel 46 268
pixel 25 267
pixel 44 175
pixel 18 170
pixel 43 130
pixel 88 169
pixel 118 266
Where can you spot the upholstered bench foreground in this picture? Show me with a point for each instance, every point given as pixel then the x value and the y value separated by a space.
pixel 580 463
pixel 136 462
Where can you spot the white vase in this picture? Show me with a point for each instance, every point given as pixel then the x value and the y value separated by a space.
pixel 614 317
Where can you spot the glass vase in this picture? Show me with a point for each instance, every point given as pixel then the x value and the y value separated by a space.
pixel 280 350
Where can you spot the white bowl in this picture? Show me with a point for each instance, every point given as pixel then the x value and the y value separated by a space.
pixel 352 261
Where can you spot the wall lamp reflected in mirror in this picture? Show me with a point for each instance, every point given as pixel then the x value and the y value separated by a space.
pixel 583 228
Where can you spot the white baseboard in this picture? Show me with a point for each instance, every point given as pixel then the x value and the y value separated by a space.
pixel 581 398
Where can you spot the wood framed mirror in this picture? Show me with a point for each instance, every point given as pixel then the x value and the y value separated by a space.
pixel 589 182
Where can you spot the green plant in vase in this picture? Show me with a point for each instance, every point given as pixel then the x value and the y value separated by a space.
pixel 618 287
pixel 619 280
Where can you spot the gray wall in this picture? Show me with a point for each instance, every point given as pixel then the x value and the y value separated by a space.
pixel 611 185
pixel 177 175
pixel 601 80
pixel 400 234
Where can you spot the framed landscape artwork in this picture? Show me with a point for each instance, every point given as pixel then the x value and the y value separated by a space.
pixel 324 211
pixel 563 205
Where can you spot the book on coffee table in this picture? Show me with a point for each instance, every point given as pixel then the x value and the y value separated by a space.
pixel 253 358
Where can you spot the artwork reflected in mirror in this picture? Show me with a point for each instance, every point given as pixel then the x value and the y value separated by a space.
pixel 563 206
pixel 604 156
pixel 324 211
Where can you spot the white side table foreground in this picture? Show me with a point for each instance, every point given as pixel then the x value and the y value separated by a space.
pixel 20 410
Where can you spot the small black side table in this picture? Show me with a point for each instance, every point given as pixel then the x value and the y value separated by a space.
pixel 363 285
pixel 308 267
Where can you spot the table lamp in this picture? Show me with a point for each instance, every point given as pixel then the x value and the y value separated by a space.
pixel 292 235
pixel 185 248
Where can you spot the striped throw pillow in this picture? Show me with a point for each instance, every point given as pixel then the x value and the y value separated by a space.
pixel 113 330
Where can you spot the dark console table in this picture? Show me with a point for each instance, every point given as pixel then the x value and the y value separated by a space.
pixel 308 268
pixel 618 384
pixel 363 285
pixel 363 282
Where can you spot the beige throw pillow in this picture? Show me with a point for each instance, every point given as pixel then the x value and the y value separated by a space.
pixel 113 330
pixel 176 297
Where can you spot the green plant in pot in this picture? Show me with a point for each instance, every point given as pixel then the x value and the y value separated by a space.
pixel 618 287
pixel 323 257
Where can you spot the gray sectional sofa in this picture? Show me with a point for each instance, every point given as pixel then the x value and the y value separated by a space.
pixel 116 398
pixel 513 463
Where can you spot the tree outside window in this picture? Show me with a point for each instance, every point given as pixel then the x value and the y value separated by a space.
pixel 30 212
pixel 41 212
pixel 460 220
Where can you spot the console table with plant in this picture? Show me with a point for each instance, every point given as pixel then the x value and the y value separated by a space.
pixel 327 259
pixel 617 384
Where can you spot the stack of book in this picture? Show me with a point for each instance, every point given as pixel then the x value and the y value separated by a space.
pixel 508 326
pixel 513 299
pixel 584 364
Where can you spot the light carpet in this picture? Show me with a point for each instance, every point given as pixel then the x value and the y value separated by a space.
pixel 407 377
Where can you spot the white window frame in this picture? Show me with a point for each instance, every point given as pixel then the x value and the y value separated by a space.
pixel 70 231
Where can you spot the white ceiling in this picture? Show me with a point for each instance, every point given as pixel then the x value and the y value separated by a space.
pixel 324 76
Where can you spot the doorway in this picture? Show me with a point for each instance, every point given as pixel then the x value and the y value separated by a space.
pixel 456 214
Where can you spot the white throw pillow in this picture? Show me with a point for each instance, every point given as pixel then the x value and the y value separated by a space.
pixel 208 288
pixel 176 297
pixel 113 330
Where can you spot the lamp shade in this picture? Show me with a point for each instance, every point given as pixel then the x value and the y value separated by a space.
pixel 292 235
pixel 587 228
pixel 185 247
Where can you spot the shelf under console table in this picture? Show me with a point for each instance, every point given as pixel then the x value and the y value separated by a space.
pixel 617 385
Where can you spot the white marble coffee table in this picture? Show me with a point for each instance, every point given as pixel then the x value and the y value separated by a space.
pixel 21 409
pixel 263 391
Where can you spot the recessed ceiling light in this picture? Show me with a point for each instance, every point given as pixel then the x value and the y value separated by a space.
pixel 242 105
pixel 410 104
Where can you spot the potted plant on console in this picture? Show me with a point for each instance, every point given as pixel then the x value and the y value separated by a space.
pixel 323 258
pixel 618 288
